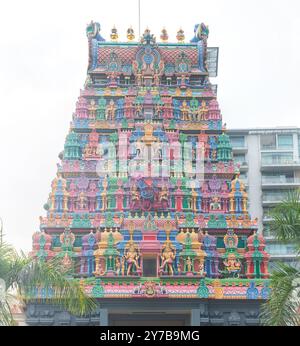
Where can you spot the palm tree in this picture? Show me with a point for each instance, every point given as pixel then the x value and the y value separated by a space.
pixel 283 306
pixel 21 274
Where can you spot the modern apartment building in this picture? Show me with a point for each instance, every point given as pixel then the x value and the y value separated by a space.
pixel 269 161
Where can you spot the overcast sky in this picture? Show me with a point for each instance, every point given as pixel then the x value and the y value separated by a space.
pixel 43 65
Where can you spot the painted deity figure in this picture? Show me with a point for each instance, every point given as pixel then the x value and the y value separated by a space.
pixel 232 264
pixel 201 269
pixel 189 265
pixel 185 111
pixel 82 201
pixel 139 78
pixel 135 196
pixel 67 239
pixel 203 111
pixel 138 110
pixel 110 115
pixel 132 257
pixel 158 110
pixel 164 195
pixel 215 204
pixel 168 257
pixel 67 261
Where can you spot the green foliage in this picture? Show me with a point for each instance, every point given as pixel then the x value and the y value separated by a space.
pixel 283 306
pixel 286 219
pixel 23 274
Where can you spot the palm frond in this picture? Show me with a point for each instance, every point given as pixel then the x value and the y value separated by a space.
pixel 282 308
pixel 6 317
pixel 30 274
pixel 7 256
pixel 286 219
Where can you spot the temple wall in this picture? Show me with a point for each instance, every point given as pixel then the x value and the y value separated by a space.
pixel 195 313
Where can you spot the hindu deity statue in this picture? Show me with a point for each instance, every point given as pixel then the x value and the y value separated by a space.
pixel 167 258
pixel 201 270
pixel 164 195
pixel 215 204
pixel 135 196
pixel 232 264
pixel 231 257
pixel 82 201
pixel 138 110
pixel 184 111
pixel 67 239
pixel 92 109
pixel 189 265
pixel 132 257
pixel 110 111
pixel 203 111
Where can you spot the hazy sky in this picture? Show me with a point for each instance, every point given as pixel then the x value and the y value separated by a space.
pixel 43 65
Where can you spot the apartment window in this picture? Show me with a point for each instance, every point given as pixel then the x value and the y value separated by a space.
pixel 237 141
pixel 243 176
pixel 268 141
pixel 267 211
pixel 285 141
pixel 280 249
pixel 276 158
pixel 299 146
pixel 267 232
pixel 274 196
pixel 240 158
pixel 276 177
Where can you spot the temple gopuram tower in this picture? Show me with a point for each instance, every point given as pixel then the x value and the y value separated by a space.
pixel 147 208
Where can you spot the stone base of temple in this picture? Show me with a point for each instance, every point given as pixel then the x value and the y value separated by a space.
pixel 153 312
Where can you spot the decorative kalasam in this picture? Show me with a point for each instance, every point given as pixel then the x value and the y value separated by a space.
pixel 147 185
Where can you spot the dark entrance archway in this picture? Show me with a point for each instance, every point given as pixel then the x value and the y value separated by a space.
pixel 149 319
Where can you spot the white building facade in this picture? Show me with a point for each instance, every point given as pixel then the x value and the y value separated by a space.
pixel 269 161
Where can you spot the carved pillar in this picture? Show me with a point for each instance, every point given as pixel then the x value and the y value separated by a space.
pixel 195 317
pixel 103 317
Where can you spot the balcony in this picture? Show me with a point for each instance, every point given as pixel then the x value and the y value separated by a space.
pixel 279 181
pixel 273 198
pixel 280 250
pixel 271 162
pixel 239 148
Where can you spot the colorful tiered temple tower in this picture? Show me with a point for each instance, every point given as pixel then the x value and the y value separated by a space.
pixel 147 208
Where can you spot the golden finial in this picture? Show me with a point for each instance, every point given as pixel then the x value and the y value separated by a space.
pixel 164 35
pixel 114 34
pixel 130 34
pixel 180 36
